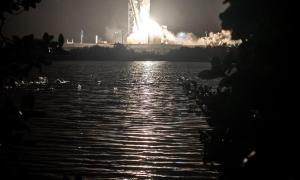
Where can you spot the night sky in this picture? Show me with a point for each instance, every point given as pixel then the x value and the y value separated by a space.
pixel 102 17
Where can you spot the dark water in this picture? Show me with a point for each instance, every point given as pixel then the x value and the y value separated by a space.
pixel 134 124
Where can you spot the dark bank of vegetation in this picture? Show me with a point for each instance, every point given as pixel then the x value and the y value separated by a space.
pixel 121 53
pixel 251 110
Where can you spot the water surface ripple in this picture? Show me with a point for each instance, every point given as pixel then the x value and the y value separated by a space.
pixel 129 121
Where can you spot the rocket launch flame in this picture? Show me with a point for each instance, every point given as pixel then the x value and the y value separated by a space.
pixel 144 30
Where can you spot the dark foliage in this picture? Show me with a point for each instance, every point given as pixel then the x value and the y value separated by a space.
pixel 18 57
pixel 251 112
pixel 13 7
pixel 61 41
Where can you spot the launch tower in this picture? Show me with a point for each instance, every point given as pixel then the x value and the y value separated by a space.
pixel 137 9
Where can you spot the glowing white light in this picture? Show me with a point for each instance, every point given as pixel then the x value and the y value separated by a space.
pixel 181 35
pixel 148 63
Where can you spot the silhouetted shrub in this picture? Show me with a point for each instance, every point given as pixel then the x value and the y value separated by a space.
pixel 251 113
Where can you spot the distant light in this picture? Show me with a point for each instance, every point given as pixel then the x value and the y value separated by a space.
pixel 181 35
pixel 79 87
pixel 148 63
pixel 245 161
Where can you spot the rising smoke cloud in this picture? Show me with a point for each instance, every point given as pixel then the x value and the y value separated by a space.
pixel 223 38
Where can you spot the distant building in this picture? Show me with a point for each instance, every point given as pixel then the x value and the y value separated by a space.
pixel 70 42
pixel 96 39
pixel 81 37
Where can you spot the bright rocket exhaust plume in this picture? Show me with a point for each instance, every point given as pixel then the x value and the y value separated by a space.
pixel 142 29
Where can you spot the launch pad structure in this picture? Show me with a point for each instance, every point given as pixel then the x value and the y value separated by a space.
pixel 138 21
pixel 143 33
pixel 137 8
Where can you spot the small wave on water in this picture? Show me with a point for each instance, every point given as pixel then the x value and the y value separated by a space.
pixel 124 120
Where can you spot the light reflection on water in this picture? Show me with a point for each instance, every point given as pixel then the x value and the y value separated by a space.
pixel 134 125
